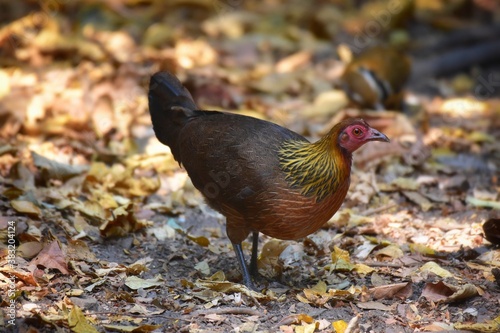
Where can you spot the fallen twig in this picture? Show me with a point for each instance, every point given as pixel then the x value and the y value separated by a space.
pixel 230 310
pixel 378 209
pixel 383 264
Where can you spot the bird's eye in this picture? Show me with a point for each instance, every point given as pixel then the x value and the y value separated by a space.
pixel 357 131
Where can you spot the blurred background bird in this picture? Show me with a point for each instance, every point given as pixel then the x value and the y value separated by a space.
pixel 376 77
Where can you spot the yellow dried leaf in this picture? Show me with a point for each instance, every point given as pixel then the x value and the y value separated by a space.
pixel 105 199
pixel 75 292
pixel 26 207
pixel 187 284
pixel 320 287
pixel 490 326
pixel 97 172
pixel 339 326
pixel 434 268
pixel 91 209
pixel 140 186
pixel 201 240
pixel 269 262
pixel 346 294
pixel 363 269
pixel 302 317
pixel 422 249
pixel 122 221
pixel 318 299
pixel 340 266
pixel 392 251
pixel 463 293
pixel 306 328
pixel 479 137
pixel 377 241
pixel 338 253
pixel 78 323
pixel 218 276
pixel 230 287
pixel 408 184
pixel 302 299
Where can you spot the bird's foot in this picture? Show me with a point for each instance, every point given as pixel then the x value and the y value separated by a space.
pixel 250 285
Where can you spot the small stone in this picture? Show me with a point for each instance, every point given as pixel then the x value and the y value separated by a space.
pixel 455 184
pixel 88 303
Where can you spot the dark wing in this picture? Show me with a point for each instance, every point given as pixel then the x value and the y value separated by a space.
pixel 232 158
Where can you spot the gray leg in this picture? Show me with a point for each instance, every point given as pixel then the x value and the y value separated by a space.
pixel 244 270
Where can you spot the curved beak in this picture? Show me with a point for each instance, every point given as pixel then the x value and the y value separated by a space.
pixel 377 136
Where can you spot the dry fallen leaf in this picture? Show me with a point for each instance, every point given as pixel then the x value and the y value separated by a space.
pixel 122 222
pixel 371 305
pixel 78 323
pixel 422 249
pixel 29 249
pixel 490 326
pixel 399 290
pixel 340 326
pixel 432 267
pixel 269 262
pixel 51 169
pixel 203 267
pixel 132 329
pixel 392 251
pixel 51 257
pixel 340 260
pixel 134 282
pixel 26 207
pixel 320 296
pixel 447 293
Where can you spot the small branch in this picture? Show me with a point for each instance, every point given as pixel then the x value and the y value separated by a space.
pixel 382 264
pixel 230 310
pixel 372 211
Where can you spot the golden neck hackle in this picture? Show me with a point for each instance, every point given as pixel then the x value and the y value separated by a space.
pixel 317 169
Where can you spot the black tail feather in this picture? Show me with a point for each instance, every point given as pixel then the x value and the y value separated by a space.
pixel 170 91
pixel 170 105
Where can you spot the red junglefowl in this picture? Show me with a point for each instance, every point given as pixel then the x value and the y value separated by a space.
pixel 261 176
